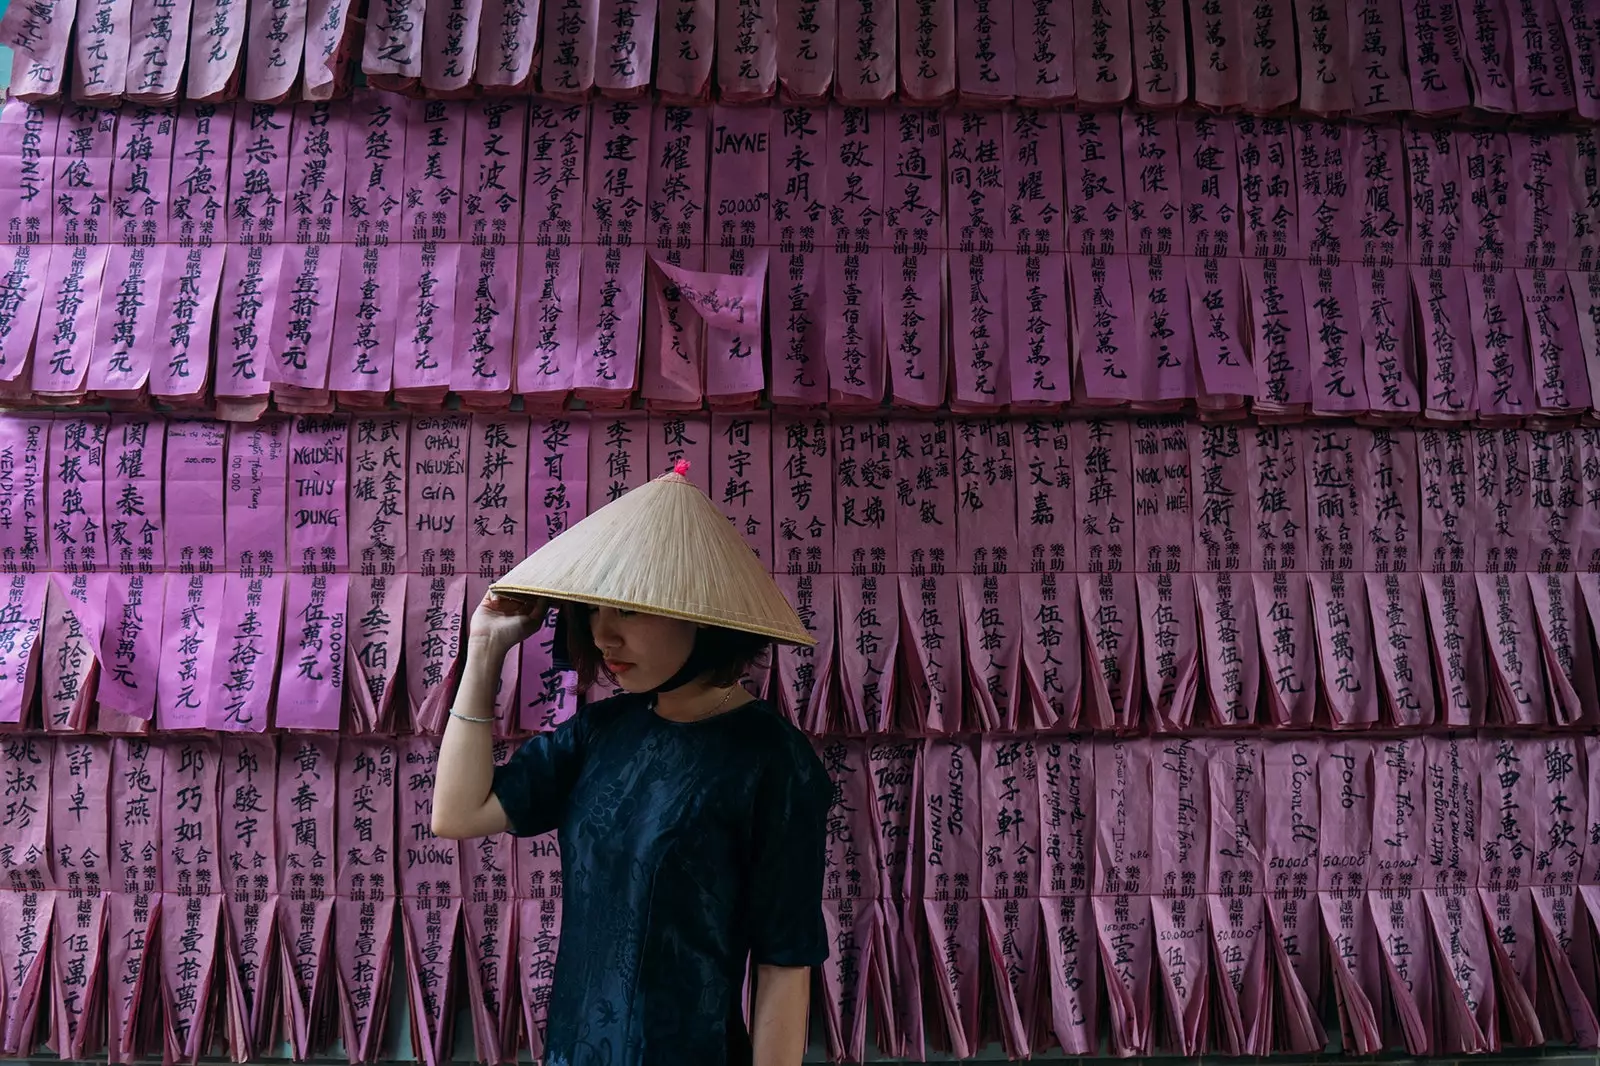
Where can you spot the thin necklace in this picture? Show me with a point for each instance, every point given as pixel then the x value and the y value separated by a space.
pixel 726 696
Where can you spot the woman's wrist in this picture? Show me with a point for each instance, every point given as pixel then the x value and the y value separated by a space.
pixel 487 651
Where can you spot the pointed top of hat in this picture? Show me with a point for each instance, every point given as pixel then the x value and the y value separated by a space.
pixel 665 549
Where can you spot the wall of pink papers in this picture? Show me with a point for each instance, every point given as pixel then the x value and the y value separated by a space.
pixel 351 254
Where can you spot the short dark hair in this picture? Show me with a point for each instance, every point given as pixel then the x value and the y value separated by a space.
pixel 730 652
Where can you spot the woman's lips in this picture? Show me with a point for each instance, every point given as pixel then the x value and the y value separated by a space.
pixel 618 668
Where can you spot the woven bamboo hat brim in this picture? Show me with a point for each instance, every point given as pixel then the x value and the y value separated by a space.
pixel 665 549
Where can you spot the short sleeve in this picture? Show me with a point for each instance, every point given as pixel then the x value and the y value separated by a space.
pixel 533 785
pixel 789 850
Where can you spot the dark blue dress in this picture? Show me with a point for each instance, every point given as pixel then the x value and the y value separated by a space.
pixel 685 849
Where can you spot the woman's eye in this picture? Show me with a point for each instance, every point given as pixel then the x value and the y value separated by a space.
pixel 626 614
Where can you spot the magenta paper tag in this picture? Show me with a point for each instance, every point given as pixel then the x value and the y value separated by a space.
pixel 1217 47
pixel 75 603
pixel 1543 80
pixel 1045 56
pixel 135 596
pixel 952 869
pixel 570 44
pixel 37 35
pixel 924 532
pixel 737 240
pixel 192 617
pixel 1283 608
pixel 538 930
pixel 1542 211
pixel 1557 501
pixel 895 767
pixel 928 57
pixel 216 44
pixel 378 528
pixel 853 276
pixel 139 807
pixel 1436 57
pixel 1449 376
pixel 1103 53
pixel 307 779
pixel 26 207
pixel 497 512
pixel 248 790
pixel 1324 57
pixel 1268 191
pixel 1160 55
pixel 799 162
pixel 1379 209
pixel 1269 56
pixel 747 50
pixel 915 222
pixel 1163 550
pixel 986 496
pixel 1506 386
pixel 614 234
pixel 1398 910
pixel 430 257
pixel 369 264
pixel 1165 347
pixel 365 872
pixel 1092 151
pixel 1179 838
pixel 1123 887
pixel 1010 881
pixel 1378 81
pixel 23 561
pixel 1455 630
pixel 508 35
pixel 1338 384
pixel 1488 34
pixel 187 296
pixel 803 555
pixel 1046 514
pixel 807 37
pixel 741 465
pixel 1454 816
pixel 1066 809
pixel 557 493
pixel 191 907
pixel 849 893
pixel 1486 211
pixel 866 51
pixel 1508 779
pixel 393 43
pixel 274 46
pixel 1384 302
pixel 1563 632
pixel 489 913
pixel 976 226
pixel 1235 889
pixel 1037 361
pixel 1104 330
pixel 1277 319
pixel 688 31
pixel 125 335
pixel 1100 455
pixel 1293 862
pixel 486 290
pixel 430 881
pixel 1387 486
pixel 436 549
pixel 257 194
pixel 248 640
pixel 303 313
pixel 866 521
pixel 1433 173
pixel 449 56
pixel 1277 479
pixel 986 60
pixel 1228 633
pixel 1210 207
pixel 25 948
pixel 547 301
pixel 85 145
pixel 1578 24
pixel 1047 532
pixel 1500 497
pixel 1347 790
pixel 79 782
pixel 675 227
pixel 1555 349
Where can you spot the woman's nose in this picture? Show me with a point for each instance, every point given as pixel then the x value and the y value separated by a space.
pixel 603 627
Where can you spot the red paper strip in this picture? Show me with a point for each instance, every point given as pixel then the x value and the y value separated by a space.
pixel 330 33
pixel 1010 883
pixel 807 36
pixel 747 50
pixel 687 29
pixel 618 461
pixel 1278 551
pixel 1578 24
pixel 1346 827
pixel 866 47
pixel 100 67
pixel 450 46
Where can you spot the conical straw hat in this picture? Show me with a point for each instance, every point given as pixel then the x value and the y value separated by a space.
pixel 665 549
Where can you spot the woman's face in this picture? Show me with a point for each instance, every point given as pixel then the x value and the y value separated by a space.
pixel 641 650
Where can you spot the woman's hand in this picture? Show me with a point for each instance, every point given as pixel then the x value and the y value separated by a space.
pixel 502 622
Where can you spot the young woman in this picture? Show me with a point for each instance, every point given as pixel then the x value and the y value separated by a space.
pixel 690 816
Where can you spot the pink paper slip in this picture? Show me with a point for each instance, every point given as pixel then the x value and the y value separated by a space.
pixel 1209 177
pixel 430 257
pixel 864 536
pixel 1179 839
pixel 1217 46
pixel 1388 475
pixel 26 207
pixel 624 47
pixel 329 44
pixel 1488 33
pixel 307 779
pixel 311 681
pixel 1228 637
pixel 1282 596
pixel 450 54
pixel 1103 51
pixel 1438 242
pixel 489 916
pixel 430 883
pixel 1564 636
pixel 547 300
pixel 1508 853
pixel 75 599
pixel 436 547
pixel 925 545
pixel 1008 769
pixel 1322 35
pixel 1100 453
pixel 1163 553
pixel 853 277
pixel 1542 213
pixel 673 340
pixel 216 45
pixel 614 236
pixel 1046 58
pixel 538 931
pixel 1066 810
pixel 1378 81
pixel 1543 78
pixel 986 60
pixel 688 36
pixel 125 334
pixel 1236 895
pixel 807 42
pixel 1356 958
pixel 1284 386
pixel 747 50
pixel 1091 145
pixel 952 869
pixel 249 638
pixel 928 55
pixel 1160 55
pixel 364 910
pixel 85 144
pixel 571 29
pixel 191 905
pixel 508 36
pixel 192 615
pixel 22 554
pixel 187 297
pixel 1037 361
pixel 303 320
pixel 392 47
pixel 895 806
pixel 135 596
pixel 799 166
pixel 1338 511
pixel 738 239
pixel 1383 291
pixel 27 902
pixel 102 44
pixel 274 46
pixel 849 895
pixel 977 225
pixel 79 778
pixel 1122 888
pixel 1048 587
pixel 378 531
pixel 1398 912
pixel 37 35
pixel 496 512
pixel 1291 852
pixel 915 221
pixel 247 788
pixel 367 305
pixel 1164 347
pixel 1578 25
pixel 486 290
pixel 803 560
pixel 986 497
pixel 1556 355
pixel 865 56
pixel 1436 58
pixel 558 489
pixel 134 907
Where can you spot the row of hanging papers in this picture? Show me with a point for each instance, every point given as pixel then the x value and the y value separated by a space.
pixel 1526 58
pixel 186 896
pixel 998 576
pixel 353 253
